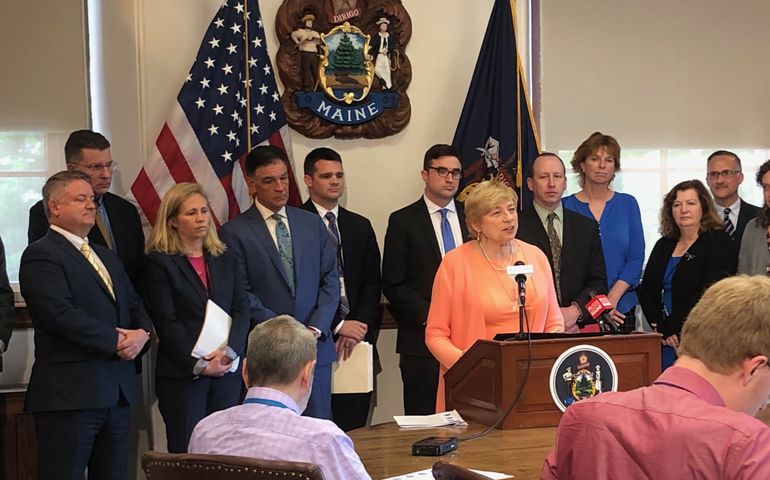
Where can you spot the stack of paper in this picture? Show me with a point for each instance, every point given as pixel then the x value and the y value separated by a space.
pixel 444 419
pixel 215 331
pixel 356 374
pixel 428 475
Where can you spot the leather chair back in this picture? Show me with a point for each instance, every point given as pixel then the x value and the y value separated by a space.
pixel 188 466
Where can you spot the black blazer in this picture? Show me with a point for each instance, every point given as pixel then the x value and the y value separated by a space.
pixel 411 258
pixel 7 312
pixel 124 222
pixel 747 213
pixel 176 301
pixel 711 258
pixel 363 282
pixel 74 316
pixel 582 260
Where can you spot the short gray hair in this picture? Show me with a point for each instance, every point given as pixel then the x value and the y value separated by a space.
pixel 278 350
pixel 57 182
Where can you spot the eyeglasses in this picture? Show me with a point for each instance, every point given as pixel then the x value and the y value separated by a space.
pixel 443 172
pixel 98 167
pixel 723 174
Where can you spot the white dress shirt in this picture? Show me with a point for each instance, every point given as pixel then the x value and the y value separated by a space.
pixel 454 222
pixel 78 242
pixel 267 214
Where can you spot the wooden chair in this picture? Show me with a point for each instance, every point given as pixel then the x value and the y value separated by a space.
pixel 447 471
pixel 188 466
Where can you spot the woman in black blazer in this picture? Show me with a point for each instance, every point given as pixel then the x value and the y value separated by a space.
pixel 187 265
pixel 693 253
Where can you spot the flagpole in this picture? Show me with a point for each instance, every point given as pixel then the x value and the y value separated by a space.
pixel 246 69
pixel 519 163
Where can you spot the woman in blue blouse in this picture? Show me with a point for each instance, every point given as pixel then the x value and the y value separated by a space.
pixel 620 221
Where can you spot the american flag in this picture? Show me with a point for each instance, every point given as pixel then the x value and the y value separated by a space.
pixel 229 103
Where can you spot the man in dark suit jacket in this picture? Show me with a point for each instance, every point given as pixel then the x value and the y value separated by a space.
pixel 358 263
pixel 118 226
pixel 724 176
pixel 289 263
pixel 7 312
pixel 581 262
pixel 90 325
pixel 415 243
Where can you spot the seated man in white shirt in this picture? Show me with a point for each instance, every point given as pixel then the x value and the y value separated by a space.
pixel 278 370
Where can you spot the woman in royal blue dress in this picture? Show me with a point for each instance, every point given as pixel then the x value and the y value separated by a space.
pixel 596 162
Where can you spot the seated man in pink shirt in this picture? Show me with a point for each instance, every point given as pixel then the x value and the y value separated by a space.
pixel 278 369
pixel 695 420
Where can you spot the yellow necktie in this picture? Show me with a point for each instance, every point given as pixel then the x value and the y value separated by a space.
pixel 86 250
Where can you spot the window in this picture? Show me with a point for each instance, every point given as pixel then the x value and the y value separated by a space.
pixel 648 174
pixel 26 160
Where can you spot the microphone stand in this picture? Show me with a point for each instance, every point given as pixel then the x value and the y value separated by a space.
pixel 522 300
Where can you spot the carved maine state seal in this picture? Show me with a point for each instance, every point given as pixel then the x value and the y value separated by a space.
pixel 343 66
pixel 581 372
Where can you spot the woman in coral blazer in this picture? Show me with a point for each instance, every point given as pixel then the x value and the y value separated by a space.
pixel 473 297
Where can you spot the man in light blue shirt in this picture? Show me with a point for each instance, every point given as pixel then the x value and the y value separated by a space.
pixel 279 367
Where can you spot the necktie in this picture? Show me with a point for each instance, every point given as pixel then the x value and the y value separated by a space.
pixel 334 233
pixel 284 249
pixel 446 232
pixel 86 251
pixel 555 244
pixel 100 214
pixel 729 227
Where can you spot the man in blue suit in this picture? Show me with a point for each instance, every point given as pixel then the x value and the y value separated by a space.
pixel 289 263
pixel 90 325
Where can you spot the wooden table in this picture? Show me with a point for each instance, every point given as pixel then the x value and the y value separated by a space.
pixel 386 450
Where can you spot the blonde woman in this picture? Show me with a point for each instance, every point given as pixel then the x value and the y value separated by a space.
pixel 473 297
pixel 187 265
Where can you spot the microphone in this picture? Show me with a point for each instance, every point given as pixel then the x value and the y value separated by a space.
pixel 519 273
pixel 599 307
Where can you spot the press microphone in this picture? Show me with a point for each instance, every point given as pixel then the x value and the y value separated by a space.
pixel 519 273
pixel 599 307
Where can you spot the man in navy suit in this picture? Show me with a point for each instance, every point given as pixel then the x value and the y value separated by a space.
pixel 90 325
pixel 289 262
pixel 117 226
pixel 358 262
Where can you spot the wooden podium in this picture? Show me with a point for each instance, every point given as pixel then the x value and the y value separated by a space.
pixel 484 382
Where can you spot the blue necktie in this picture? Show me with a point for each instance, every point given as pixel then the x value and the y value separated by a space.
pixel 284 249
pixel 729 227
pixel 446 232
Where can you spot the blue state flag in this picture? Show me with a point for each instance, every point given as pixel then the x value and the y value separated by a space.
pixel 496 134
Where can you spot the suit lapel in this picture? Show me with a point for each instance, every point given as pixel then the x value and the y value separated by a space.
pixel 298 234
pixel 259 227
pixel 80 259
pixel 189 273
pixel 426 225
pixel 529 215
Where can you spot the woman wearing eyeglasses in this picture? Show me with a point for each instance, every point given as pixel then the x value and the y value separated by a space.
pixel 754 256
pixel 596 162
pixel 694 252
pixel 473 295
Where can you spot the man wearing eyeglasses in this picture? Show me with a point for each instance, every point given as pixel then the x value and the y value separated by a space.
pixel 417 238
pixel 117 221
pixel 724 177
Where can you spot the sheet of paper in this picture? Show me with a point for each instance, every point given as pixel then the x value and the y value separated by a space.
pixel 356 374
pixel 427 475
pixel 215 331
pixel 443 419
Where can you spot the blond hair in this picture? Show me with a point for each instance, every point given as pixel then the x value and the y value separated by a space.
pixel 729 324
pixel 165 238
pixel 483 198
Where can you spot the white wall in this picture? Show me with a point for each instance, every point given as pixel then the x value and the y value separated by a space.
pixel 149 47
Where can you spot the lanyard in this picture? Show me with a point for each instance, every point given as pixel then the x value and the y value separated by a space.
pixel 265 401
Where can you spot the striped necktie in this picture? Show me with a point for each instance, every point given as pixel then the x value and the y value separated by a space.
pixel 334 233
pixel 86 251
pixel 729 227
